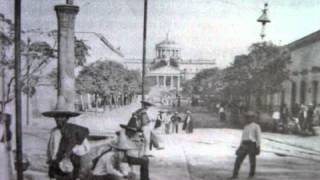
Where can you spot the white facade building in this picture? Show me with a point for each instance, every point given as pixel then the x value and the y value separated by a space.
pixel 168 69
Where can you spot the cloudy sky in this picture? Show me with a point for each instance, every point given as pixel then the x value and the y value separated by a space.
pixel 215 29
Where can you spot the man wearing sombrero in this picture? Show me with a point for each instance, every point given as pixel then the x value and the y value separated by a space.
pixel 108 164
pixel 66 144
pixel 141 121
pixel 250 145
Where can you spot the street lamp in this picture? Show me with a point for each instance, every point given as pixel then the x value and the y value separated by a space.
pixel 263 19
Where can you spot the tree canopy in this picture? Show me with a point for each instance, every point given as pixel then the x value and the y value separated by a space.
pixel 107 77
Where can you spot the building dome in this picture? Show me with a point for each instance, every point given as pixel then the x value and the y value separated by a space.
pixel 168 44
pixel 167 49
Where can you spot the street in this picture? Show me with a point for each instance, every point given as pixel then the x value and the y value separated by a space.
pixel 204 155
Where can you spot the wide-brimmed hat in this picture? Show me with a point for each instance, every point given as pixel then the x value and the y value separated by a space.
pixel 60 113
pixel 188 112
pixel 146 103
pixel 127 127
pixel 122 144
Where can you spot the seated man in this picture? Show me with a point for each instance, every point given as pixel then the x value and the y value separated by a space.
pixel 107 166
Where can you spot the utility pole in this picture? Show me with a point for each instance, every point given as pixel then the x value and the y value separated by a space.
pixel 17 67
pixel 263 19
pixel 144 47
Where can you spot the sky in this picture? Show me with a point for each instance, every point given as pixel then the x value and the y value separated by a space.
pixel 211 29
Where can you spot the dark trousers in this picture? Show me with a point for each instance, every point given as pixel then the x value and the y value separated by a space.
pixel 175 127
pixel 247 148
pixel 144 166
pixel 106 177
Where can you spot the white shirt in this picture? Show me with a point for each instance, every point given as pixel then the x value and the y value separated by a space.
pixel 188 119
pixel 276 115
pixel 167 118
pixel 107 165
pixel 53 144
pixel 252 132
pixel 82 149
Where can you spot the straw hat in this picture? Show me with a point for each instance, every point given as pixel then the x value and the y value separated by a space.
pixel 146 103
pixel 122 143
pixel 188 112
pixel 128 127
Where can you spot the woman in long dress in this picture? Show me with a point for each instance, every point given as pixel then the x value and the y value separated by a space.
pixel 4 152
pixel 188 123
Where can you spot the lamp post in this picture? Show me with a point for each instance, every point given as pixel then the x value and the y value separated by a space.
pixel 263 19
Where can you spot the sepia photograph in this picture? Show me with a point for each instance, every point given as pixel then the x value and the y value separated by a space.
pixel 159 89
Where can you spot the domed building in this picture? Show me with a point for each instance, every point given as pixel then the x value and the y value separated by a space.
pixel 166 50
pixel 168 70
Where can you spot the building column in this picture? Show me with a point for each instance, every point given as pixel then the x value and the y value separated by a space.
pixel 164 81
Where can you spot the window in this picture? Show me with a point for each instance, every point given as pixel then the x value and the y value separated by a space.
pixel 303 87
pixel 293 93
pixel 315 85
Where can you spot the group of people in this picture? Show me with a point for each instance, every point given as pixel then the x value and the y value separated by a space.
pixel 300 120
pixel 68 143
pixel 172 122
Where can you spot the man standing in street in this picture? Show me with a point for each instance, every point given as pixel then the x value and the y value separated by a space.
pixel 141 121
pixel 250 145
pixel 175 120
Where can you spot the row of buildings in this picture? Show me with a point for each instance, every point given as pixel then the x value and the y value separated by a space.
pixel 303 87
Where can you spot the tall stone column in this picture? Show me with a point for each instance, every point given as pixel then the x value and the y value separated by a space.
pixel 66 56
pixel 164 81
pixel 65 106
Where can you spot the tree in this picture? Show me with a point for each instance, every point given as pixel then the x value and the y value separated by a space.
pixel 259 73
pixel 81 51
pixel 107 78
pixel 205 85
pixel 37 53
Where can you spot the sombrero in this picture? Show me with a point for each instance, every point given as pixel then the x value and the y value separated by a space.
pixel 127 127
pixel 60 113
pixel 146 103
pixel 122 144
